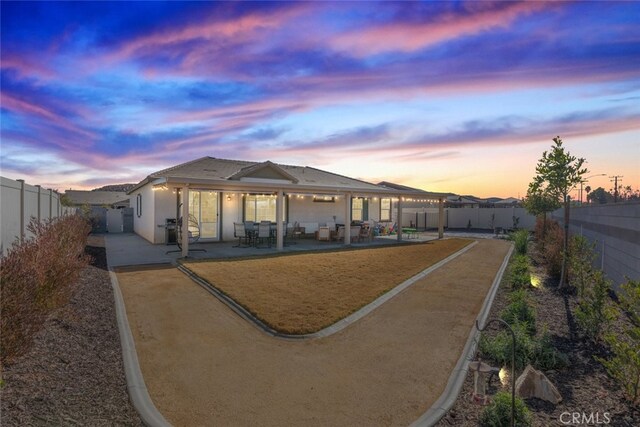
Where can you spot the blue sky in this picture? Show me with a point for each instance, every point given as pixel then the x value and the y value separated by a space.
pixel 444 96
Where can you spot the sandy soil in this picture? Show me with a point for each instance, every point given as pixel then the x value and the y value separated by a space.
pixel 204 365
pixel 305 293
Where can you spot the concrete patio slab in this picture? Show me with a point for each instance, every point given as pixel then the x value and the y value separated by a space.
pixel 204 365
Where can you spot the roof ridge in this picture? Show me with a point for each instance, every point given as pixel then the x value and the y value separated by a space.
pixel 342 176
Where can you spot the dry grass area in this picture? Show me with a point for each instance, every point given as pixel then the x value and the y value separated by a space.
pixel 304 293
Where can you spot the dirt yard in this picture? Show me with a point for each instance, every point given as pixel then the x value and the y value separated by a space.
pixel 305 293
pixel 205 365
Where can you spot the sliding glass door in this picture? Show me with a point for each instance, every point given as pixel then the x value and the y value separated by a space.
pixel 204 208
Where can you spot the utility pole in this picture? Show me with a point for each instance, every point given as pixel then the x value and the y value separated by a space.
pixel 614 179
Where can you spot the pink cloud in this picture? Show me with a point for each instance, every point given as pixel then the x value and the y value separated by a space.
pixel 25 107
pixel 409 37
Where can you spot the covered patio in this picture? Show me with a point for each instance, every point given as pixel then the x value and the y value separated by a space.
pixel 218 194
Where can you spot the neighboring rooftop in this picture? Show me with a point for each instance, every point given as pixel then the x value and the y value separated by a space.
pixel 96 198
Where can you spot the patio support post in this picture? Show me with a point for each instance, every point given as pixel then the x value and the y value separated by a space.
pixel 185 221
pixel 50 204
pixel 280 229
pixel 440 218
pixel 347 219
pixel 399 230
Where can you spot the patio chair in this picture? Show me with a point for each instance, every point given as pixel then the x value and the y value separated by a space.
pixel 355 233
pixel 365 234
pixel 339 234
pixel 264 232
pixel 250 228
pixel 324 233
pixel 240 232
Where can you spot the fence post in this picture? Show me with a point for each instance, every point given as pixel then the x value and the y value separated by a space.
pixel 21 181
pixel 39 188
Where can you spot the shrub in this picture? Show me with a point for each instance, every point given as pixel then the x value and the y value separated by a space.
pixel 552 248
pixel 500 347
pixel 520 310
pixel 624 365
pixel 36 277
pixel 593 315
pixel 498 412
pixel 539 352
pixel 545 355
pixel 519 275
pixel 581 257
pixel 521 241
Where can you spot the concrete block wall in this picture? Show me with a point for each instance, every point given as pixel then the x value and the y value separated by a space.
pixel 615 230
pixel 20 202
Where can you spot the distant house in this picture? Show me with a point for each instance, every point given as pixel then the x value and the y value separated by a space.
pixel 508 202
pixel 216 193
pixel 110 199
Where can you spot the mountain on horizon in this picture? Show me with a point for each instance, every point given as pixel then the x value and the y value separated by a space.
pixel 115 187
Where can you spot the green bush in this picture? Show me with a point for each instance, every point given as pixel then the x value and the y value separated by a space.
pixel 581 257
pixel 520 310
pixel 624 365
pixel 593 314
pixel 500 347
pixel 498 412
pixel 538 352
pixel 36 277
pixel 521 241
pixel 519 274
pixel 545 355
pixel 551 248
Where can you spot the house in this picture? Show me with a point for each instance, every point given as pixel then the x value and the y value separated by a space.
pixel 218 193
pixel 113 199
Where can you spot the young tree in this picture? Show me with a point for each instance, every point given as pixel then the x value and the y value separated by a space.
pixel 539 202
pixel 557 173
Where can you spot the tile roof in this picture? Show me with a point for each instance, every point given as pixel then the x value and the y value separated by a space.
pixel 222 169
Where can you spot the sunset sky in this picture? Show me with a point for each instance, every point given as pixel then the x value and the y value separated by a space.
pixel 457 96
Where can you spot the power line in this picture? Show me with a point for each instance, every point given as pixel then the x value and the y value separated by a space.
pixel 614 179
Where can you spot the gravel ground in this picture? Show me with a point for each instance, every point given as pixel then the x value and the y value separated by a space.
pixel 73 374
pixel 584 383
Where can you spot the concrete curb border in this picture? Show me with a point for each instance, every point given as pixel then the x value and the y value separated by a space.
pixel 336 327
pixel 459 373
pixel 135 382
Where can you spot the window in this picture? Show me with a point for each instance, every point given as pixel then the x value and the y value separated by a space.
pixel 139 205
pixel 357 209
pixel 259 208
pixel 385 209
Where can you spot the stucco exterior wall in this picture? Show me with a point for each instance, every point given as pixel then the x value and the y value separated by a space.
pixel 144 222
pixel 165 207
pixel 231 212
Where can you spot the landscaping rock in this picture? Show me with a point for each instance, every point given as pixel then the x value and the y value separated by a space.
pixel 534 383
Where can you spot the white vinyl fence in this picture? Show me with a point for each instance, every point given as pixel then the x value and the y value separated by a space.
pixel 475 218
pixel 19 203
